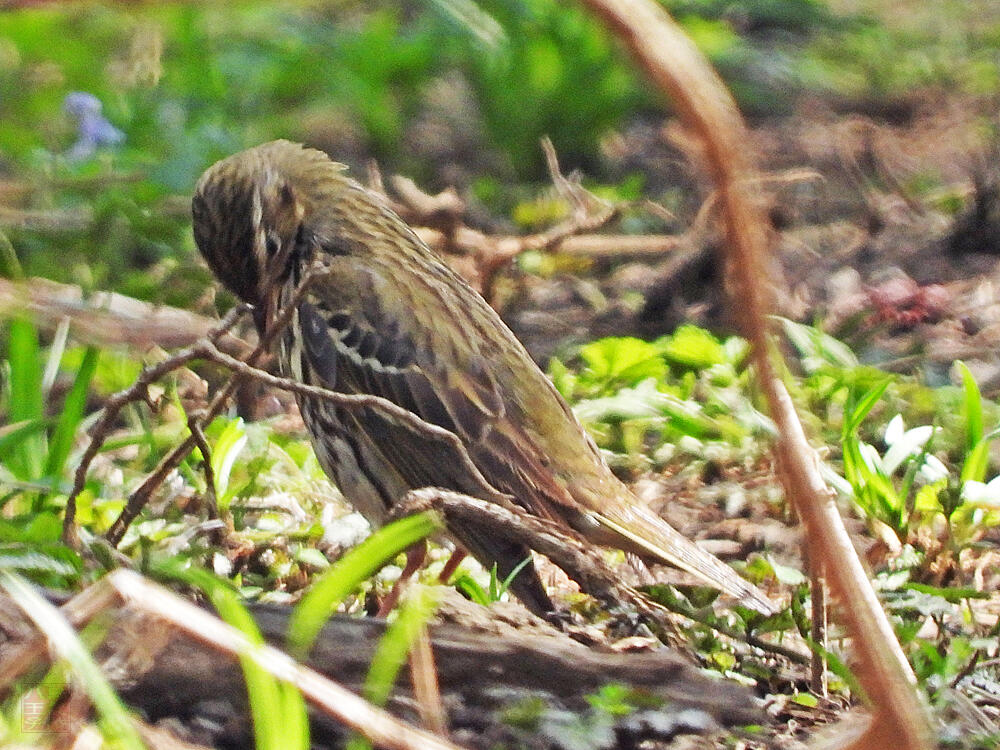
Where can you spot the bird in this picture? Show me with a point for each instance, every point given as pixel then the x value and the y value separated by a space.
pixel 387 316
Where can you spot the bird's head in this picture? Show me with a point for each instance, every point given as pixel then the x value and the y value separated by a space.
pixel 249 213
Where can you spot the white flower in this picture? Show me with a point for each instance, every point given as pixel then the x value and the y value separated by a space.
pixel 978 493
pixel 903 443
pixel 894 430
pixel 870 456
pixel 933 470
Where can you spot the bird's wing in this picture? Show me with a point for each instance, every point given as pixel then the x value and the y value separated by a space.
pixel 354 341
pixel 369 330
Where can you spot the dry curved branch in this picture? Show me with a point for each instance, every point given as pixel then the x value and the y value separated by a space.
pixel 681 72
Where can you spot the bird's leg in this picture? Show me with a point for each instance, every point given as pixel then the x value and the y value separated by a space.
pixel 452 565
pixel 415 557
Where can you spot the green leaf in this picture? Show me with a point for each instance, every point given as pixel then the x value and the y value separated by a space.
pixel 70 416
pixel 806 699
pixel 972 407
pixel 816 348
pixel 952 594
pixel 470 587
pixel 358 565
pixel 13 435
pixel 622 361
pixel 787 575
pixel 224 455
pixel 278 710
pixel 313 557
pixel 858 410
pixel 692 347
pixel 26 397
pixel 976 462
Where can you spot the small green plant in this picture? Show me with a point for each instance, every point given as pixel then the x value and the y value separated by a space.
pixel 35 448
pixel 358 565
pixel 494 590
pixel 685 388
pixel 908 483
pixel 277 708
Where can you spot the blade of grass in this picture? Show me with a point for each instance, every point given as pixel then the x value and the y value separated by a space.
pixel 64 642
pixel 857 410
pixel 26 396
pixel 12 435
pixel 977 460
pixel 224 453
pixel 972 407
pixel 391 652
pixel 390 655
pixel 72 412
pixel 10 266
pixel 280 719
pixel 503 586
pixel 347 574
pixel 470 587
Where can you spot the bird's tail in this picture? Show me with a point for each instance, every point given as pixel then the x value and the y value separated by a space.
pixel 649 536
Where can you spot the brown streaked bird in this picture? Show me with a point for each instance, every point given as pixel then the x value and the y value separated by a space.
pixel 388 317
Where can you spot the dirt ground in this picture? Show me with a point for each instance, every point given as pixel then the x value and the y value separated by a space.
pixel 886 230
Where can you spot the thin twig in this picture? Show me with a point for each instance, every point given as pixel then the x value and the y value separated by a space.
pixel 107 319
pixel 138 391
pixel 139 497
pixel 426 691
pixel 211 500
pixel 383 406
pixel 817 677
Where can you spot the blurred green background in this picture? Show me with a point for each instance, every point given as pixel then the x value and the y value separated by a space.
pixel 450 92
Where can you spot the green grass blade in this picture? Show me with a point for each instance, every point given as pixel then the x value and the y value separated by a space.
pixel 278 710
pixel 26 396
pixel 976 462
pixel 972 407
pixel 856 412
pixel 392 650
pixel 72 412
pixel 64 641
pixel 12 435
pixel 390 655
pixel 470 587
pixel 224 453
pixel 358 565
pixel 505 585
pixel 10 266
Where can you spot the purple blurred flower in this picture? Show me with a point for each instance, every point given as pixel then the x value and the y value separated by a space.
pixel 92 129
